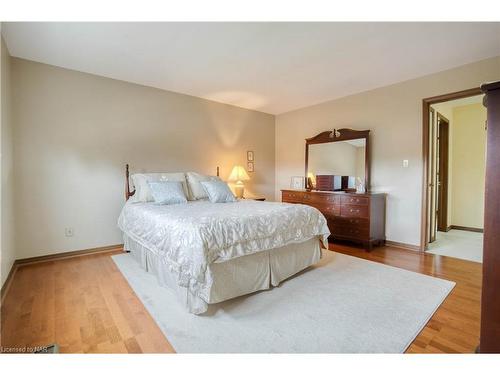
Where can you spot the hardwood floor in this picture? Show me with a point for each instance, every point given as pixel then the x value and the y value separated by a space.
pixel 85 305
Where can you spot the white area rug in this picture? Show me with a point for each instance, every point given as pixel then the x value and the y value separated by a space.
pixel 458 244
pixel 342 305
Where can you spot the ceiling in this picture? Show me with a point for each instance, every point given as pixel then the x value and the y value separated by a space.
pixel 269 67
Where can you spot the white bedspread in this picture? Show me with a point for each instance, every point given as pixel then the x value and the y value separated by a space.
pixel 188 237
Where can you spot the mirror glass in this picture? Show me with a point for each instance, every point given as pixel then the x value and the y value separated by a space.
pixel 337 166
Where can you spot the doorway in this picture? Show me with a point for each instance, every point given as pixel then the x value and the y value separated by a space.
pixel 454 166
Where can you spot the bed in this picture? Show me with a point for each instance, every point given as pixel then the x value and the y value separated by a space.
pixel 211 252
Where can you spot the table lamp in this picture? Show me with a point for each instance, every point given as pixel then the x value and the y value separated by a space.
pixel 238 175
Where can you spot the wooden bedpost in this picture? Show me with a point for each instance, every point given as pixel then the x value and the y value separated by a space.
pixel 128 193
pixel 217 171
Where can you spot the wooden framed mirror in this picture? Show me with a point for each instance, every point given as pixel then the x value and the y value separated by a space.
pixel 338 160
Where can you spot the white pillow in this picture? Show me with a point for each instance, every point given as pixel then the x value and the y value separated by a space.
pixel 196 190
pixel 218 191
pixel 167 192
pixel 142 189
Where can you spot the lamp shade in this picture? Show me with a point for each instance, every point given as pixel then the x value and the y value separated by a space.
pixel 238 174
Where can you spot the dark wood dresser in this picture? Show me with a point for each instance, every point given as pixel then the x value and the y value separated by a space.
pixel 350 216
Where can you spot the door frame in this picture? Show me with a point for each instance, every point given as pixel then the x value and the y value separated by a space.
pixel 426 104
pixel 443 150
pixel 432 197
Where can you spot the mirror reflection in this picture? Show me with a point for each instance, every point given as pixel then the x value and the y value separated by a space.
pixel 337 166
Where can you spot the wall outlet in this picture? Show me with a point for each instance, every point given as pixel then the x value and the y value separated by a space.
pixel 405 163
pixel 68 232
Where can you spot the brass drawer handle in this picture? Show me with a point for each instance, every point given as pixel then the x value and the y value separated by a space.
pixel 357 211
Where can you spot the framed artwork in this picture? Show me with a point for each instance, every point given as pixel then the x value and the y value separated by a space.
pixel 250 166
pixel 297 183
pixel 250 156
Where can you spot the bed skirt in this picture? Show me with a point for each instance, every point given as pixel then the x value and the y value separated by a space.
pixel 236 277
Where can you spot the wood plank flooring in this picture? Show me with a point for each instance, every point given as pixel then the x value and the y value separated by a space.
pixel 85 305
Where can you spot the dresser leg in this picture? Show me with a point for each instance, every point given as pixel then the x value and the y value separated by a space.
pixel 368 246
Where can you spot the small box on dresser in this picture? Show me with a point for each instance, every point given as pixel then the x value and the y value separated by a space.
pixel 351 216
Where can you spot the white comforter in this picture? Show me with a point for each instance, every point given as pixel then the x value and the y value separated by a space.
pixel 188 237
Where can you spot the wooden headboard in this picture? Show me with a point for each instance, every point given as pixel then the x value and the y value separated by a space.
pixel 129 193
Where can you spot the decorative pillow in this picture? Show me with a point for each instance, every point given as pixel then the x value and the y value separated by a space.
pixel 196 190
pixel 167 192
pixel 142 189
pixel 218 191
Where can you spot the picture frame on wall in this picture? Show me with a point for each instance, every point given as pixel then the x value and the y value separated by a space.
pixel 297 183
pixel 250 156
pixel 250 166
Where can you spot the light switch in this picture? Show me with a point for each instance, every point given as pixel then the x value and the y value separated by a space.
pixel 405 163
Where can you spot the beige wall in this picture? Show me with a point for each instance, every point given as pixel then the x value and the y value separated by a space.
pixel 394 116
pixel 7 255
pixel 469 165
pixel 75 132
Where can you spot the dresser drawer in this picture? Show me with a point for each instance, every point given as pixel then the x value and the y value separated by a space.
pixel 353 232
pixel 351 222
pixel 292 196
pixel 353 210
pixel 325 198
pixel 330 209
pixel 352 199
